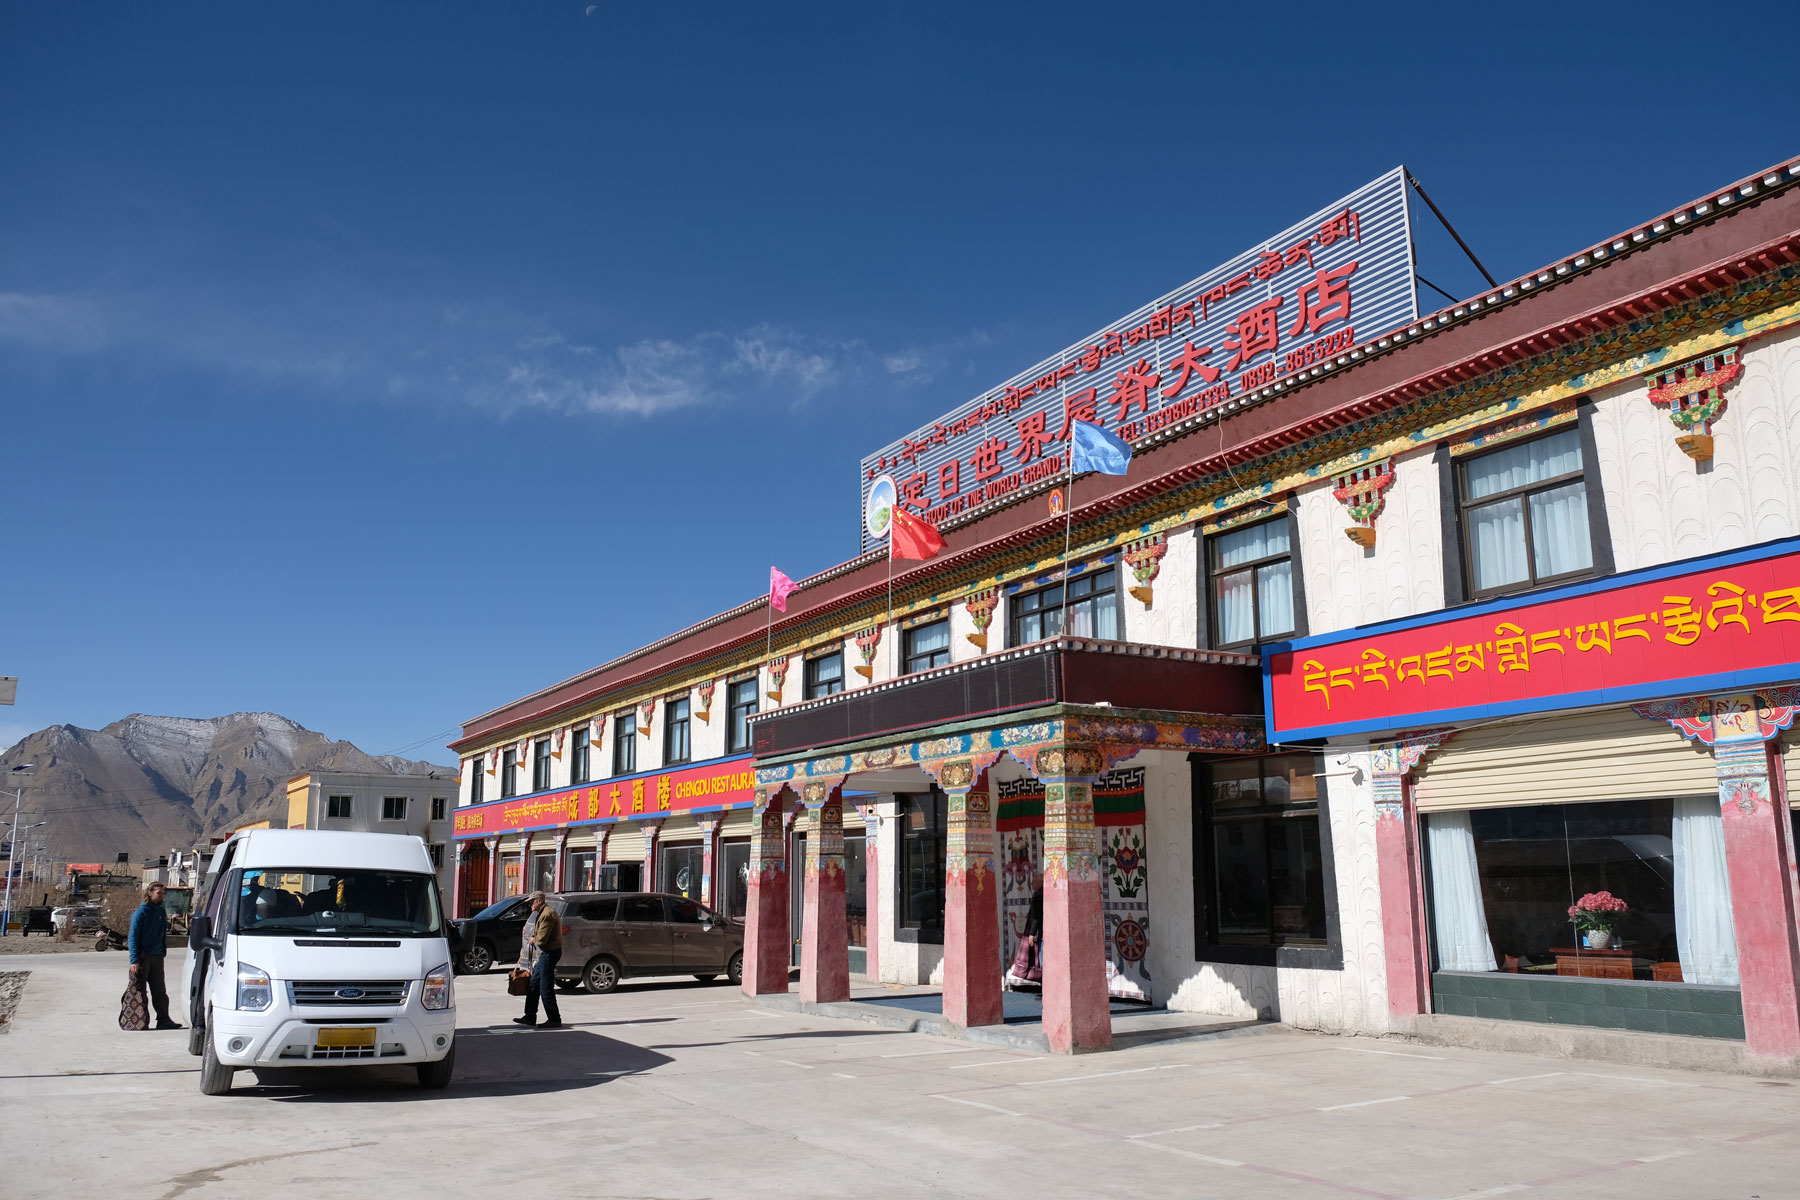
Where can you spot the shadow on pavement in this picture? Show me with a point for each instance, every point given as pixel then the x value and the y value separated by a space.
pixel 779 1037
pixel 489 1062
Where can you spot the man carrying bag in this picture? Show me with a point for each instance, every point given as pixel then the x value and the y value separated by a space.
pixel 149 947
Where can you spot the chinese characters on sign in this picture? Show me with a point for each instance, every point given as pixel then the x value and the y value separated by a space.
pixel 1270 313
pixel 1743 617
pixel 711 785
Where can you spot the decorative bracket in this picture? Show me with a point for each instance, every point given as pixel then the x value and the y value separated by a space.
pixel 646 714
pixel 1363 492
pixel 1694 394
pixel 1145 557
pixel 980 607
pixel 868 641
pixel 1709 720
pixel 707 688
pixel 778 669
pixel 597 734
pixel 1391 762
pixel 556 743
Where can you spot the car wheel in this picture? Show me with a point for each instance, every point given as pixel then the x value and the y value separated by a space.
pixel 435 1075
pixel 215 1076
pixel 735 972
pixel 477 960
pixel 601 976
pixel 706 978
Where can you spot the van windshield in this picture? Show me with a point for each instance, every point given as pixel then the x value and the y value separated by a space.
pixel 335 903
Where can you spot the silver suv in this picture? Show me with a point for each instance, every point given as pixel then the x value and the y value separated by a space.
pixel 608 936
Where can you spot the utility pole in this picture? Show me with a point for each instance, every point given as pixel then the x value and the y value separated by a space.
pixel 12 851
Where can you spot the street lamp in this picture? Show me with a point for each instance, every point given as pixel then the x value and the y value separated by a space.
pixel 12 852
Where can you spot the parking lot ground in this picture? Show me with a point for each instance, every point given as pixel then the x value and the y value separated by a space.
pixel 676 1089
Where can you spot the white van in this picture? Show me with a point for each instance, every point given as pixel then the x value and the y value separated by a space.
pixel 316 948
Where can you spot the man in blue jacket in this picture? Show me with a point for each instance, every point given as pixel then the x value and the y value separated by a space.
pixel 149 945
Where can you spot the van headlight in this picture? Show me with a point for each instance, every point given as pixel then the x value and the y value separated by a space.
pixel 256 991
pixel 436 993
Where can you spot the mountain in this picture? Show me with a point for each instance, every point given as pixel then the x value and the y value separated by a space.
pixel 145 785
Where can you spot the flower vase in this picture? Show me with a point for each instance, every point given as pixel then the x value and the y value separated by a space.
pixel 1598 939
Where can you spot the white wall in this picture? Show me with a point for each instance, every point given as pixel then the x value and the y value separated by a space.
pixel 1402 574
pixel 1172 618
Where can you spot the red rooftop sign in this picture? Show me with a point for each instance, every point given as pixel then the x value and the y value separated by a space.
pixel 709 785
pixel 1704 625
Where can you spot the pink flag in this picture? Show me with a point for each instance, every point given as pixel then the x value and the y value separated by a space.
pixel 780 588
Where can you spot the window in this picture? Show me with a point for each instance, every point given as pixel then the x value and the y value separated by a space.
pixel 1252 583
pixel 1093 609
pixel 741 697
pixel 578 754
pixel 1259 819
pixel 437 808
pixel 509 780
pixel 1524 514
pixel 543 871
pixel 687 912
pixel 477 783
pixel 540 766
pixel 437 853
pixel 624 744
pixel 393 808
pixel 675 732
pixel 734 888
pixel 923 834
pixel 646 909
pixel 927 646
pixel 825 675
pixel 337 808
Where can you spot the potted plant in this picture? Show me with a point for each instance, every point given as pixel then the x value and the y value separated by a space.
pixel 1596 915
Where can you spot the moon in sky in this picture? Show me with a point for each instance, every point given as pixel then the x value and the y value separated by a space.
pixel 591 8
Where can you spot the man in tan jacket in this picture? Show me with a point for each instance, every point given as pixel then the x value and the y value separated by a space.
pixel 544 936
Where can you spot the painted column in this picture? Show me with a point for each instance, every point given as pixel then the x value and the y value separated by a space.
pixel 652 835
pixel 825 925
pixel 1400 866
pixel 972 968
pixel 767 934
pixel 872 891
pixel 1077 1014
pixel 493 846
pixel 562 857
pixel 1759 853
pixel 457 899
pixel 709 848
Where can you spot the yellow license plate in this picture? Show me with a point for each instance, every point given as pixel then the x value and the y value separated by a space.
pixel 338 1039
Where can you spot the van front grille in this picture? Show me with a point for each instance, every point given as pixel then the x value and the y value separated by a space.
pixel 355 993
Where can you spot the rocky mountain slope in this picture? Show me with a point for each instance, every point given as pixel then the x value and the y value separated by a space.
pixel 145 784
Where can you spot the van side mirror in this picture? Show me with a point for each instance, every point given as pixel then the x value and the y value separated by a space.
pixel 199 931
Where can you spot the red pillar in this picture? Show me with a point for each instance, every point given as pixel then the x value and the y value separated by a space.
pixel 1759 859
pixel 652 834
pixel 972 969
pixel 493 847
pixel 562 856
pixel 872 892
pixel 1077 1011
pixel 456 881
pixel 709 847
pixel 767 935
pixel 1399 865
pixel 825 928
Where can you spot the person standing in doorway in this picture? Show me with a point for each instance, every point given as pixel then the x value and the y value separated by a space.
pixel 149 946
pixel 543 941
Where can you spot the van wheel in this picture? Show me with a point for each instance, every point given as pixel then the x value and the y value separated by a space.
pixel 477 960
pixel 735 972
pixel 215 1076
pixel 601 976
pixel 196 1038
pixel 435 1075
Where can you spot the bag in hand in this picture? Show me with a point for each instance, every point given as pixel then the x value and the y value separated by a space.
pixel 134 1007
pixel 1025 965
pixel 518 981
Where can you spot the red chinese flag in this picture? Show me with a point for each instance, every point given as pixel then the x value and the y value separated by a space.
pixel 910 537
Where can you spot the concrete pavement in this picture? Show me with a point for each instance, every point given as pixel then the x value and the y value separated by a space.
pixel 678 1089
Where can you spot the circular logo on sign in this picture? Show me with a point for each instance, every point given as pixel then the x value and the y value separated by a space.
pixel 1056 502
pixel 878 510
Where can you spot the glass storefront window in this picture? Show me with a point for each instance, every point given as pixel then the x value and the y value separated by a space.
pixel 1260 817
pixel 543 871
pixel 856 889
pixel 512 876
pixel 580 871
pixel 923 835
pixel 680 870
pixel 734 888
pixel 1504 882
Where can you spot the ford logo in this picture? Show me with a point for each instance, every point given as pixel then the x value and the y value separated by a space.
pixel 351 993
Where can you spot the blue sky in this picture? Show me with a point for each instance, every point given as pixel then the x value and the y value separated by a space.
pixel 377 364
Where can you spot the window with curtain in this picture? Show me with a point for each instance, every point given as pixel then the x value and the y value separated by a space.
pixel 1503 882
pixel 1260 821
pixel 624 744
pixel 1093 609
pixel 1252 583
pixel 741 699
pixel 1525 515
pixel 927 646
pixel 825 675
pixel 676 748
pixel 578 754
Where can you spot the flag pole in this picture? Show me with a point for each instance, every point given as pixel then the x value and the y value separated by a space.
pixel 1068 525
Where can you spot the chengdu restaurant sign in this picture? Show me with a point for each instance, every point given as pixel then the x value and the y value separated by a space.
pixel 1708 625
pixel 1339 278
pixel 657 793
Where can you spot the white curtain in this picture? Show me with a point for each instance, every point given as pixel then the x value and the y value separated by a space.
pixel 1237 615
pixel 1458 918
pixel 1704 936
pixel 1559 530
pixel 1275 599
pixel 1498 532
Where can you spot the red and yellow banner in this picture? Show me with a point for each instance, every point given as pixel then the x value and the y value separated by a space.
pixel 707 785
pixel 1693 627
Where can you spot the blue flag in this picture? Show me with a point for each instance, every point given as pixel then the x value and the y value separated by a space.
pixel 1091 448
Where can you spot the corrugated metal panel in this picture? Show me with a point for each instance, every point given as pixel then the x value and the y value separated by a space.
pixel 1790 760
pixel 626 844
pixel 739 823
pixel 1612 755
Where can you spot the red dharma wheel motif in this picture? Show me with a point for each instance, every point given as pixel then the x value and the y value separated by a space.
pixel 1130 941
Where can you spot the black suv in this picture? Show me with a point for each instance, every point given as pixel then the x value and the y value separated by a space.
pixel 495 934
